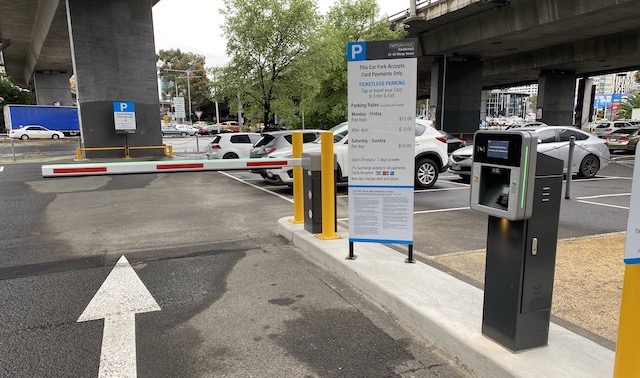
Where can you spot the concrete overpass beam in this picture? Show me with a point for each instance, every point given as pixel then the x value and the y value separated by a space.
pixel 43 19
pixel 556 96
pixel 114 60
pixel 456 91
pixel 52 87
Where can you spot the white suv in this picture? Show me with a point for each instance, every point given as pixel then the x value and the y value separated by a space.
pixel 232 145
pixel 431 155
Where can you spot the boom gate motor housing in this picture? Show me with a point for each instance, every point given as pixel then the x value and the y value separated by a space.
pixel 521 191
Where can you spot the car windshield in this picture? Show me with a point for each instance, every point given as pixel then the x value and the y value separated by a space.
pixel 627 130
pixel 264 140
pixel 339 133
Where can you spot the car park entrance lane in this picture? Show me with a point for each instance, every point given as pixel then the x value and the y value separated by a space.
pixel 235 299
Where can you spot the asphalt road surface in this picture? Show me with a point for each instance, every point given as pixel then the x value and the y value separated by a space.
pixel 234 299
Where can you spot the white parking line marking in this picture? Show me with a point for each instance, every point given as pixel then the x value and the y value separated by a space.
pixel 257 187
pixel 604 204
pixel 1 168
pixel 439 189
pixel 426 211
pixel 603 178
pixel 459 183
pixel 442 210
pixel 604 196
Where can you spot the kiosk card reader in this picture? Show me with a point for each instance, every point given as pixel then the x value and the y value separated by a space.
pixel 504 165
pixel 521 192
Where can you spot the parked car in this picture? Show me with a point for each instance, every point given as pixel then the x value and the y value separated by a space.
pixel 430 153
pixel 527 124
pixel 229 127
pixel 589 156
pixel 209 129
pixel 232 145
pixel 623 139
pixel 271 128
pixel 168 130
pixel 453 143
pixel 278 140
pixel 192 130
pixel 34 132
pixel 608 127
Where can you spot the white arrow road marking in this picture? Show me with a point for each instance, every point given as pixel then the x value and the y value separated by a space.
pixel 121 296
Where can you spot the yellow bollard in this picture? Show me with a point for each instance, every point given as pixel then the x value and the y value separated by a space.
pixel 298 190
pixel 79 153
pixel 126 152
pixel 627 363
pixel 170 151
pixel 327 176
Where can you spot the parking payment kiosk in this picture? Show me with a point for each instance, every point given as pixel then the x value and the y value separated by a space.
pixel 521 192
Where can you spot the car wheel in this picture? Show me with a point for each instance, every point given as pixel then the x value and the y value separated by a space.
pixel 162 134
pixel 24 137
pixel 183 134
pixel 55 136
pixel 426 173
pixel 589 166
pixel 230 155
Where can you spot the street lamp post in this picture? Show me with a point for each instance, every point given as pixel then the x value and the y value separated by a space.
pixel 188 77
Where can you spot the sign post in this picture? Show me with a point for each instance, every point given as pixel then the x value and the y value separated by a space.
pixel 381 114
pixel 626 362
pixel 179 108
pixel 124 117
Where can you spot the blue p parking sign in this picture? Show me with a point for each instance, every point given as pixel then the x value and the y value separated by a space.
pixel 124 117
pixel 356 51
pixel 124 107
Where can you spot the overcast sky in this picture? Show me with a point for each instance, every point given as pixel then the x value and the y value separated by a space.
pixel 194 25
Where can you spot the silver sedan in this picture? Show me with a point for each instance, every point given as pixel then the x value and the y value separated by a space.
pixel 590 154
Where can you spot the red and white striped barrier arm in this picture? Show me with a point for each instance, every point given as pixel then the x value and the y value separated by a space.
pixel 120 168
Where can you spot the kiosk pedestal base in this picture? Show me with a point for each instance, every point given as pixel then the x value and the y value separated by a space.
pixel 521 264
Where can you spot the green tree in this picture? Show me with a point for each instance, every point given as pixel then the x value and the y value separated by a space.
pixel 172 65
pixel 266 40
pixel 627 106
pixel 12 94
pixel 348 20
pixel 637 76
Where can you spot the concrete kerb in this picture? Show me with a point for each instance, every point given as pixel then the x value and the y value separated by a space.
pixel 448 312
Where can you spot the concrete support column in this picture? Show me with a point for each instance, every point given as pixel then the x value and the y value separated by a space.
pixel 114 59
pixel 53 88
pixel 456 91
pixel 556 95
pixel 584 103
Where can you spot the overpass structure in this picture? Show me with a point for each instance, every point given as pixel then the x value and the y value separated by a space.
pixel 470 45
pixel 109 45
pixel 467 46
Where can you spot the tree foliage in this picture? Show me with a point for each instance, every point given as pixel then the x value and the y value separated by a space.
pixel 626 107
pixel 266 40
pixel 347 20
pixel 636 76
pixel 172 65
pixel 12 94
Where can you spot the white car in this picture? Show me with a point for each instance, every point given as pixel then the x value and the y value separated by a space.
pixel 430 152
pixel 589 155
pixel 34 132
pixel 232 145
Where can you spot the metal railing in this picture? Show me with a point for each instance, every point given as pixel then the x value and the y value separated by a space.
pixel 168 150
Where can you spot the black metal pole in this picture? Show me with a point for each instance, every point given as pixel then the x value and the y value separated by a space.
pixel 410 259
pixel 351 255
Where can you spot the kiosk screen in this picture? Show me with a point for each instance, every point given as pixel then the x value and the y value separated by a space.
pixel 498 149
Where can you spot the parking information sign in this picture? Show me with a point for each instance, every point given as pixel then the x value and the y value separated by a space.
pixel 382 104
pixel 632 247
pixel 178 105
pixel 124 117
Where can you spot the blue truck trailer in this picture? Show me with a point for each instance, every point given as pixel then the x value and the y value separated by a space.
pixel 60 118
